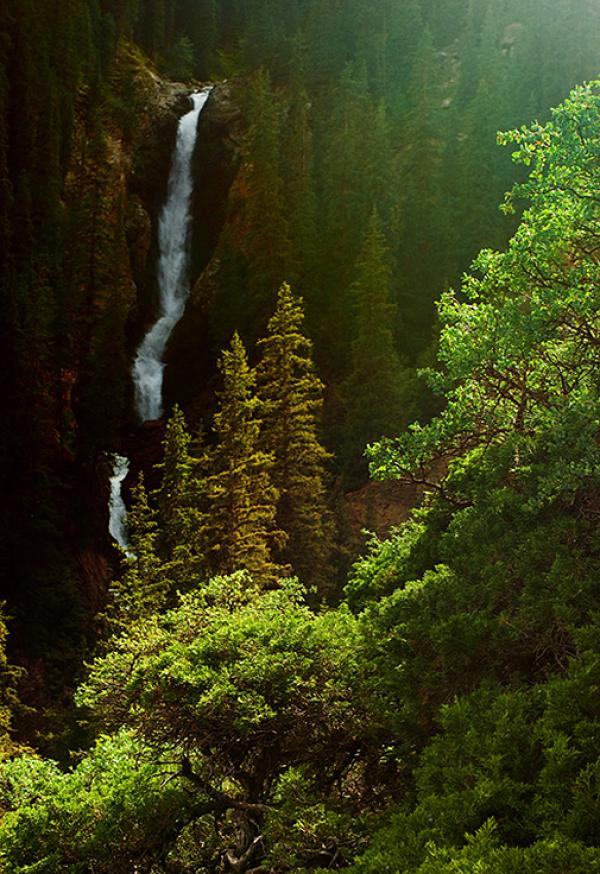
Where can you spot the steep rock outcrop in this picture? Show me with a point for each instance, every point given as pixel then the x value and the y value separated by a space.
pixel 119 156
pixel 190 357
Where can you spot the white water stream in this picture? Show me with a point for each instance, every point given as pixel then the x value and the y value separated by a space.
pixel 174 256
pixel 174 230
pixel 117 512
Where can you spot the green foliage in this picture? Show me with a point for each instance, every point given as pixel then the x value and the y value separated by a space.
pixel 182 503
pixel 179 63
pixel 509 781
pixel 259 701
pixel 487 639
pixel 455 719
pixel 242 524
pixel 255 500
pixel 519 354
pixel 378 388
pixel 9 676
pixel 113 812
pixel 145 585
pixel 291 396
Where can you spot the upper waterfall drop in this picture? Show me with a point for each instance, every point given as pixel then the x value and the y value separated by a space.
pixel 173 267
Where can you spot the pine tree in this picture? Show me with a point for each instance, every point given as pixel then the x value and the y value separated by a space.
pixel 292 399
pixel 266 245
pixel 376 391
pixel 181 501
pixel 173 496
pixel 9 676
pixel 342 215
pixel 425 252
pixel 145 586
pixel 242 499
pixel 300 193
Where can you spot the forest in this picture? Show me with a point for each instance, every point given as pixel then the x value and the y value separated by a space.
pixel 300 445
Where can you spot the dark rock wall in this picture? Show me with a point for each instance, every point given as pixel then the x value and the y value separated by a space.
pixel 190 356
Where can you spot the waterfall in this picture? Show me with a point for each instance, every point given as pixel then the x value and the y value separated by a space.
pixel 173 267
pixel 173 281
pixel 117 524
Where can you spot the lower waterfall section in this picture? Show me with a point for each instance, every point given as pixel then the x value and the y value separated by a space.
pixel 117 523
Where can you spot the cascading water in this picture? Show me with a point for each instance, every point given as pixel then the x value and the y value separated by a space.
pixel 173 267
pixel 117 512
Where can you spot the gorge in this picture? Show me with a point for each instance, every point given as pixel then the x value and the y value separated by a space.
pixel 174 238
pixel 299 444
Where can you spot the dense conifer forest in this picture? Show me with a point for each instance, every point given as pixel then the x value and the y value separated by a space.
pixel 334 604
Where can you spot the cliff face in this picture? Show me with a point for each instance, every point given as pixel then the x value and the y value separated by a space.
pixel 113 192
pixel 57 559
pixel 190 355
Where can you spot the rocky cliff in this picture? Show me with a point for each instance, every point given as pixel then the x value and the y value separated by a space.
pixel 191 355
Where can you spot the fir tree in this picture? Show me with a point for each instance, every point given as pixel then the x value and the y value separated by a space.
pixel 267 244
pixel 300 193
pixel 144 587
pixel 9 676
pixel 242 499
pixel 181 502
pixel 174 492
pixel 292 398
pixel 377 387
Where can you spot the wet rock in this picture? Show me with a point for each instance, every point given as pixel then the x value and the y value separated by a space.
pixel 138 229
pixel 162 105
pixel 190 356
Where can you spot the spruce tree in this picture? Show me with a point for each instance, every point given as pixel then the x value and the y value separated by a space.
pixel 145 586
pixel 181 501
pixel 173 494
pixel 292 400
pixel 301 195
pixel 377 388
pixel 266 239
pixel 242 500
pixel 9 676
pixel 424 256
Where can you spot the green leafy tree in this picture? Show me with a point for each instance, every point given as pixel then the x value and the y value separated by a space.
pixel 116 811
pixel 257 704
pixel 291 394
pixel 494 583
pixel 519 356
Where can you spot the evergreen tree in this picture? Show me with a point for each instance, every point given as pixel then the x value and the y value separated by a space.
pixel 300 194
pixel 145 587
pixel 241 527
pixel 292 398
pixel 266 242
pixel 344 195
pixel 377 388
pixel 181 502
pixel 8 696
pixel 424 250
pixel 173 495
